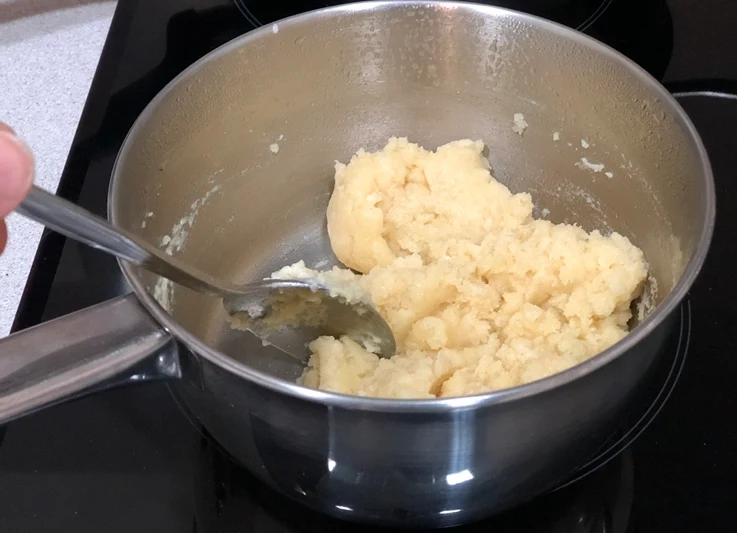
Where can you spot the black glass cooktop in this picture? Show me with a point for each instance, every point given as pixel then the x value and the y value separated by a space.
pixel 130 459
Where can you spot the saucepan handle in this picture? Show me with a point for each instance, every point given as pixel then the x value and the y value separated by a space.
pixel 80 352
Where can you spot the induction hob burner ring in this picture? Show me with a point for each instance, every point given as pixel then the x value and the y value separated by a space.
pixel 595 15
pixel 627 434
pixel 250 17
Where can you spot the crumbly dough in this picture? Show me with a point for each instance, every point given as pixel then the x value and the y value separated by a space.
pixel 480 296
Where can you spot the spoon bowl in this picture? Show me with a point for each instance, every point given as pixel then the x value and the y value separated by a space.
pixel 290 314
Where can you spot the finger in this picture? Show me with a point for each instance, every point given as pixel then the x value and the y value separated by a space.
pixel 3 235
pixel 16 172
pixel 5 127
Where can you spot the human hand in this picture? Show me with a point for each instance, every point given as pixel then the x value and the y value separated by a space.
pixel 16 176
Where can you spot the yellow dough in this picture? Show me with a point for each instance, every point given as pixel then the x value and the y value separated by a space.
pixel 479 295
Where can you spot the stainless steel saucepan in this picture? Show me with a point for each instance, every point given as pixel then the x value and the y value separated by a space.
pixel 230 168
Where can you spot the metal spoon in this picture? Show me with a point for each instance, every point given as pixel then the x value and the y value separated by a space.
pixel 260 307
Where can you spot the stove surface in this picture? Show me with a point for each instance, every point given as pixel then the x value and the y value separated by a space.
pixel 130 460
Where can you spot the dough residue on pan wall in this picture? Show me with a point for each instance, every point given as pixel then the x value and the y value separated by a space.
pixel 520 124
pixel 585 164
pixel 163 290
pixel 479 294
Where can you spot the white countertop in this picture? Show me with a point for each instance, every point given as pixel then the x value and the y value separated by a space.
pixel 49 50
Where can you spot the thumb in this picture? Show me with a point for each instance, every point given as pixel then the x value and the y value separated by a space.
pixel 16 171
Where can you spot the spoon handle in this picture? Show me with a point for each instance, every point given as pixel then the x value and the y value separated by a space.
pixel 77 223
